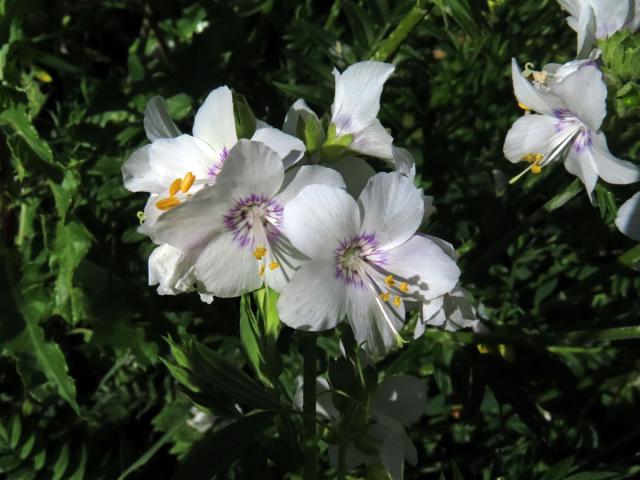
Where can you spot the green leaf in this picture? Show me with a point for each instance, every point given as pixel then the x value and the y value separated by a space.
pixel 18 121
pixel 560 469
pixel 15 430
pixel 214 453
pixel 390 44
pixel 60 467
pixel 250 336
pixel 592 476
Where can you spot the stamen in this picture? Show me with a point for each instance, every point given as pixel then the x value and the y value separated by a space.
pixel 187 182
pixel 141 217
pixel 385 296
pixel 397 302
pixel 274 265
pixel 404 287
pixel 524 107
pixel 167 203
pixel 175 186
pixel 389 281
pixel 536 169
pixel 259 253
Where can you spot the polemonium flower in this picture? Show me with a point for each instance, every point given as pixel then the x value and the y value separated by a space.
pixel 365 260
pixel 451 312
pixel 175 166
pixel 398 402
pixel 598 19
pixel 236 223
pixel 566 127
pixel 628 218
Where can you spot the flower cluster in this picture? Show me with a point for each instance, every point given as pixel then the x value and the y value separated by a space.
pixel 298 210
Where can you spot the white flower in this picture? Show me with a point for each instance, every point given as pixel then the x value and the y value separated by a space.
pixel 450 312
pixel 236 224
pixel 175 165
pixel 173 271
pixel 628 218
pixel 598 19
pixel 398 402
pixel 566 127
pixel 365 260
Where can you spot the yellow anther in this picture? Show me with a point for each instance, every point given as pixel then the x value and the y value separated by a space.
pixel 397 301
pixel 187 181
pixel 535 168
pixel 523 106
pixel 404 287
pixel 167 203
pixel 537 157
pixel 43 76
pixel 175 186
pixel 385 296
pixel 274 265
pixel 389 281
pixel 259 253
pixel 261 271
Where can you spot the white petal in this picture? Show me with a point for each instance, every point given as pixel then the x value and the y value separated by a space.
pixel 430 308
pixel 298 178
pixel 529 134
pixel 610 16
pixel 401 397
pixel 395 446
pixel 392 208
pixel 157 121
pixel 226 269
pixel 529 96
pixel 357 95
pixel 289 148
pixel 281 263
pixel 315 299
pixel 137 174
pixel 372 327
pixel 172 158
pixel 421 262
pixel 585 94
pixel 298 110
pixel 319 218
pixel 404 162
pixel 172 270
pixel 252 168
pixel 429 208
pixel 612 169
pixel 215 122
pixel 628 218
pixel 151 215
pixel 192 223
pixel 582 166
pixel 374 141
pixel 356 173
pixel 586 28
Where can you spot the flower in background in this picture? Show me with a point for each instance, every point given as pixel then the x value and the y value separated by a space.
pixel 398 402
pixel 566 127
pixel 628 218
pixel 366 260
pixel 235 225
pixel 598 19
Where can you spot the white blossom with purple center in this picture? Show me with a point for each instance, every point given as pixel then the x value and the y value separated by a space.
pixel 365 260
pixel 566 127
pixel 236 224
pixel 175 166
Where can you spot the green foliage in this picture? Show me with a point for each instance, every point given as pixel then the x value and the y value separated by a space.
pixel 550 392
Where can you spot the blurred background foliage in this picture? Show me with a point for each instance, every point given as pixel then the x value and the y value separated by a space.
pixel 83 392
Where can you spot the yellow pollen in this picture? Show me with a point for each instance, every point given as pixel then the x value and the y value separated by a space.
pixel 404 287
pixel 274 265
pixel 535 168
pixel 259 253
pixel 396 301
pixel 389 281
pixel 523 106
pixel 167 203
pixel 538 157
pixel 385 296
pixel 187 181
pixel 261 271
pixel 175 186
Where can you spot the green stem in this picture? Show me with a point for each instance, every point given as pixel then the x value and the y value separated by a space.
pixel 342 458
pixel 309 348
pixel 390 44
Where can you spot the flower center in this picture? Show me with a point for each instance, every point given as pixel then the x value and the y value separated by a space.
pixel 353 255
pixel 254 221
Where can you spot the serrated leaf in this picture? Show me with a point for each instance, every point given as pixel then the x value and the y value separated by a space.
pixel 216 451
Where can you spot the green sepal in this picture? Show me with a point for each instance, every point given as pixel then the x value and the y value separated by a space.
pixel 244 117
